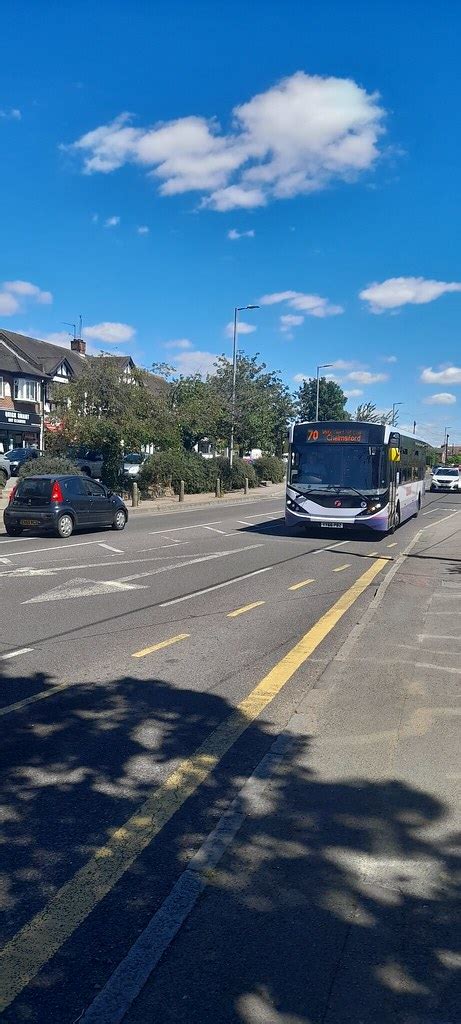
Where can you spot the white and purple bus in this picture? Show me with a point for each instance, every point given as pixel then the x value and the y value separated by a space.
pixel 346 475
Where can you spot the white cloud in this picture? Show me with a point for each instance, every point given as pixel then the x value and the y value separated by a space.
pixel 289 320
pixel 8 304
pixel 11 115
pixel 235 235
pixel 112 222
pixel 110 333
pixel 353 393
pixel 448 375
pixel 365 377
pixel 344 364
pixel 295 138
pixel 401 291
pixel 14 295
pixel 179 343
pixel 300 377
pixel 313 305
pixel 58 338
pixel 143 229
pixel 442 398
pixel 389 359
pixel 195 362
pixel 25 289
pixel 242 328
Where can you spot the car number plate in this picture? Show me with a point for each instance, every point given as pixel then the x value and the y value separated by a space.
pixel 29 522
pixel 334 526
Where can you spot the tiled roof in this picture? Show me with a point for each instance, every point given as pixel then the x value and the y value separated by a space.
pixel 42 356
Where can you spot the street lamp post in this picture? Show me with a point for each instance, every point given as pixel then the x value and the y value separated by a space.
pixel 237 310
pixel 394 411
pixel 322 366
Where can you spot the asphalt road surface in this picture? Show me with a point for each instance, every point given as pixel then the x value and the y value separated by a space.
pixel 145 678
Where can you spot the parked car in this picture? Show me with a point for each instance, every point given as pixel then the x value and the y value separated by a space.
pixel 132 463
pixel 18 456
pixel 446 478
pixel 61 504
pixel 87 460
pixel 5 470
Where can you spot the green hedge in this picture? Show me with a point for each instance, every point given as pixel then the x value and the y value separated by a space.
pixel 48 464
pixel 268 467
pixel 166 469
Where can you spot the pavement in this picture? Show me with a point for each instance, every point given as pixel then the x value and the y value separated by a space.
pixel 231 773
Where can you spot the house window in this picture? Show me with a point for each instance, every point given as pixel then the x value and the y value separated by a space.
pixel 27 390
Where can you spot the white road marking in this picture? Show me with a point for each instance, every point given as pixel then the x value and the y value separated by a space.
pixel 195 527
pixel 214 530
pixel 6 561
pixel 14 654
pixel 243 522
pixel 217 586
pixel 265 515
pixel 192 561
pixel 83 588
pixel 439 508
pixel 55 547
pixel 118 551
pixel 330 547
pixel 438 636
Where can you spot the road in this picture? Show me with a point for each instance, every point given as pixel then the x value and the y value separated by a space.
pixel 145 676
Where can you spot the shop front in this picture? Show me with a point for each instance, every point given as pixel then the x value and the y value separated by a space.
pixel 18 429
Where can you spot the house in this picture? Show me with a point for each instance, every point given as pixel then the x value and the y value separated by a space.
pixel 28 368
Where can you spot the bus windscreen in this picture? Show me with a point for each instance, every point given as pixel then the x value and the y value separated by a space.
pixel 346 467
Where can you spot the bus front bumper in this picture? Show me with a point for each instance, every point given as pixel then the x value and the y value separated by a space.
pixel 378 521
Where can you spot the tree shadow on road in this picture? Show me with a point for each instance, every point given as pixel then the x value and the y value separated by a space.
pixel 334 903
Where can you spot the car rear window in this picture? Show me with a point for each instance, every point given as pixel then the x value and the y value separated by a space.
pixel 34 488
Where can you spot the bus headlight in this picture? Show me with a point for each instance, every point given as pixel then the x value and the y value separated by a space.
pixel 293 507
pixel 375 507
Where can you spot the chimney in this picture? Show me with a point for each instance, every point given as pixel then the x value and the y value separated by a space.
pixel 78 345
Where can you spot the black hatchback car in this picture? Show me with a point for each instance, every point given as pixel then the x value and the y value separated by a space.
pixel 62 504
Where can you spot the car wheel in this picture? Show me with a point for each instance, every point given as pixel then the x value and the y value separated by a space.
pixel 3 478
pixel 432 488
pixel 65 526
pixel 13 530
pixel 119 522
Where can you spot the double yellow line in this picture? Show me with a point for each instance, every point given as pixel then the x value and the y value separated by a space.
pixel 45 933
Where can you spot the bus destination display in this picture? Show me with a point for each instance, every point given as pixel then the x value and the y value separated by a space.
pixel 338 436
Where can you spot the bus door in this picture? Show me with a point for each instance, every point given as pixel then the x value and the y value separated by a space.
pixel 394 475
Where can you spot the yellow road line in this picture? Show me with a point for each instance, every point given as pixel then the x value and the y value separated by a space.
pixel 159 646
pixel 245 608
pixel 44 934
pixel 303 583
pixel 339 568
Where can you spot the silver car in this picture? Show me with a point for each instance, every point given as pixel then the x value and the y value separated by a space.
pixel 5 471
pixel 132 463
pixel 446 478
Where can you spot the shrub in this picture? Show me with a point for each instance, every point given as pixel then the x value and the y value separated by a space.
pixel 232 479
pixel 48 464
pixel 165 469
pixel 268 467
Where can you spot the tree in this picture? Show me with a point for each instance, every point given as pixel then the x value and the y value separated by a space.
pixel 368 413
pixel 107 408
pixel 196 408
pixel 332 400
pixel 263 404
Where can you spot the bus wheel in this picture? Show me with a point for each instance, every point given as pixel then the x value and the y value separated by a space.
pixel 396 523
pixel 418 510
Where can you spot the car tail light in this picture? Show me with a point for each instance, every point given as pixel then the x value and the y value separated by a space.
pixel 56 492
pixel 12 494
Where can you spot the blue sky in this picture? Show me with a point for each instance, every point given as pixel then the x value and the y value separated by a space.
pixel 164 162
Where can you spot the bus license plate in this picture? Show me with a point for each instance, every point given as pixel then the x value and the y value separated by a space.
pixel 332 526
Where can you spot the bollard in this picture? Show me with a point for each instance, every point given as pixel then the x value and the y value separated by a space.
pixel 245 489
pixel 181 490
pixel 135 496
pixel 218 487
